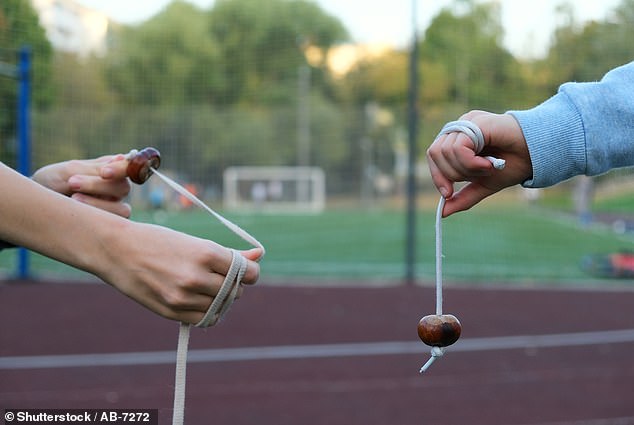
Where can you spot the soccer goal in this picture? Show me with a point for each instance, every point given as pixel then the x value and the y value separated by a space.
pixel 275 189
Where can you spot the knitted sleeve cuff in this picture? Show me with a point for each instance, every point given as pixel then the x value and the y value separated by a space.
pixel 555 137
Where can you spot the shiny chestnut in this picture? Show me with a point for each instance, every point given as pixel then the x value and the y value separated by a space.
pixel 140 165
pixel 439 330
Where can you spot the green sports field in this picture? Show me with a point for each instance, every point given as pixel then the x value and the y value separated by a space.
pixel 512 243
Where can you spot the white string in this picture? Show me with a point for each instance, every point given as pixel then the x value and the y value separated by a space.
pixel 476 136
pixel 220 304
pixel 230 225
pixel 437 351
pixel 227 293
pixel 178 414
pixel 441 205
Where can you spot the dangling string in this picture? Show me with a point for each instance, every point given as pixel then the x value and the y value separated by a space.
pixel 437 351
pixel 220 304
pixel 476 136
pixel 441 205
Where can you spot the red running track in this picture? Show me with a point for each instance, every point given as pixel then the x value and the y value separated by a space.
pixel 334 356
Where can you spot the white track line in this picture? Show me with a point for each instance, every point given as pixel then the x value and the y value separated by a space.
pixel 313 351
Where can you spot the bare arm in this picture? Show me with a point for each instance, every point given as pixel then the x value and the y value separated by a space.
pixel 171 273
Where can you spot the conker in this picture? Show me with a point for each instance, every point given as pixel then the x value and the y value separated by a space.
pixel 139 165
pixel 439 330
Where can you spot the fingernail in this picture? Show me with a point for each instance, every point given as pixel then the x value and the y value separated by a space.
pixel 444 192
pixel 107 172
pixel 74 182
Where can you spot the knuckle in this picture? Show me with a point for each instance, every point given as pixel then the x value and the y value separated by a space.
pixel 175 298
pixel 446 149
pixel 471 114
pixel 73 164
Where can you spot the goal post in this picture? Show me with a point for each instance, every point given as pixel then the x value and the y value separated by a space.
pixel 274 189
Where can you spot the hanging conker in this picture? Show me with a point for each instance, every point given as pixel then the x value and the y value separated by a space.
pixel 139 166
pixel 439 330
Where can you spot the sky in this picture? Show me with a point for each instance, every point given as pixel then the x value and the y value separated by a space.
pixel 528 24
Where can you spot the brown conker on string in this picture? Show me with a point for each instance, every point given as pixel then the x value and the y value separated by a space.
pixel 139 165
pixel 439 330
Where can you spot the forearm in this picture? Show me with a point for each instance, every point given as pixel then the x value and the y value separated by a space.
pixel 52 224
pixel 587 128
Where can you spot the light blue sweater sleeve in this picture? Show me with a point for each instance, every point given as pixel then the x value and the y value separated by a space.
pixel 586 128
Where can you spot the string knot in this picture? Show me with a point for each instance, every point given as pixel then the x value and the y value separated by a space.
pixel 437 352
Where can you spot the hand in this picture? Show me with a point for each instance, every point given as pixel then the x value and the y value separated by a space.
pixel 452 159
pixel 171 273
pixel 99 182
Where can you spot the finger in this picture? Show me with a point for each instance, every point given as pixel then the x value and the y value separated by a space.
pixel 97 186
pixel 465 198
pixel 212 285
pixel 252 272
pixel 89 167
pixel 443 154
pixel 116 168
pixel 460 154
pixel 115 207
pixel 443 184
pixel 470 165
pixel 253 254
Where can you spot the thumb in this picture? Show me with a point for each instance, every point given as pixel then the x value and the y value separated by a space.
pixel 115 168
pixel 465 198
pixel 254 254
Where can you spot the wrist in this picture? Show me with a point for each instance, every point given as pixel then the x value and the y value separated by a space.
pixel 555 138
pixel 111 245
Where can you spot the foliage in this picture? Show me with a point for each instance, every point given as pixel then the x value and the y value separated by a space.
pixel 586 53
pixel 168 59
pixel 467 53
pixel 263 47
pixel 222 86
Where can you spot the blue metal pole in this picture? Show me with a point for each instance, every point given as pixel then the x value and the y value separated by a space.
pixel 24 136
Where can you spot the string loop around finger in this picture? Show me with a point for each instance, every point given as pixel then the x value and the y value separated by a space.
pixel 474 133
pixel 468 128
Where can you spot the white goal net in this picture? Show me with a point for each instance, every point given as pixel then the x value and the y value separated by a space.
pixel 275 189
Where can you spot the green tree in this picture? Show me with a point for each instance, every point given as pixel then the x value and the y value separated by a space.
pixel 264 43
pixel 467 40
pixel 586 52
pixel 169 59
pixel 19 26
pixel 380 79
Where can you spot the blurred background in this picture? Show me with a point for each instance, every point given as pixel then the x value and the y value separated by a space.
pixel 306 123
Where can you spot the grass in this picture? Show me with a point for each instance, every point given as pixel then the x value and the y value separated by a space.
pixel 512 243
